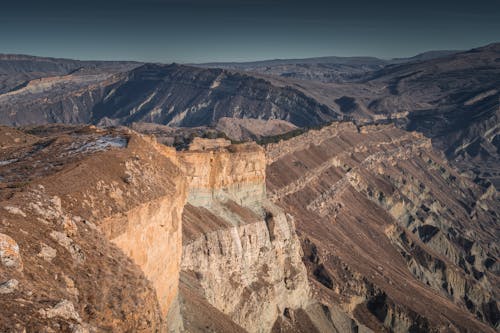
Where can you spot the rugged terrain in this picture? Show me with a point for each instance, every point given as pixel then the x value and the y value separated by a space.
pixel 17 70
pixel 323 69
pixel 240 248
pixel 79 209
pixel 454 100
pixel 452 97
pixel 84 207
pixel 370 205
pixel 390 231
pixel 187 96
pixel 341 229
pixel 173 94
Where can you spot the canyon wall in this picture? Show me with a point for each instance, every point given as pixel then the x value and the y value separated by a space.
pixel 149 228
pixel 151 235
pixel 96 219
pixel 241 248
pixel 144 206
pixel 390 231
pixel 217 171
pixel 349 229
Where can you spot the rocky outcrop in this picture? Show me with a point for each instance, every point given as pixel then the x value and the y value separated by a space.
pixel 198 315
pixel 151 235
pixel 346 228
pixel 224 172
pixel 9 250
pixel 241 249
pixel 97 223
pixel 384 222
pixel 252 271
pixel 148 230
pixel 127 193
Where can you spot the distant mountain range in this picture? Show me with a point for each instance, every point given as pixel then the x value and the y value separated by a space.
pixel 450 96
pixel 17 69
pixel 325 69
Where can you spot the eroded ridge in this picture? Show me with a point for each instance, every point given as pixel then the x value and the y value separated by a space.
pixel 385 222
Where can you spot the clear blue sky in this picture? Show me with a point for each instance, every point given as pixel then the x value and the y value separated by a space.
pixel 240 30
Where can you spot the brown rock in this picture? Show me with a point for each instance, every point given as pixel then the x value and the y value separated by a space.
pixel 9 286
pixel 64 309
pixel 9 253
pixel 47 253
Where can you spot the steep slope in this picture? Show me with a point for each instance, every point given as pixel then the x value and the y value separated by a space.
pixel 454 100
pixel 348 229
pixel 188 96
pixel 36 90
pixel 57 99
pixel 165 94
pixel 17 70
pixel 91 214
pixel 90 237
pixel 391 233
pixel 240 249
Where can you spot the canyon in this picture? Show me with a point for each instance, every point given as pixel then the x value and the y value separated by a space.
pixel 338 229
pixel 451 97
pixel 302 195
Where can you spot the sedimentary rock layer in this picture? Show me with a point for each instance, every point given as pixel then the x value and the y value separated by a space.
pixel 390 231
pixel 224 172
pixel 240 248
pixel 349 229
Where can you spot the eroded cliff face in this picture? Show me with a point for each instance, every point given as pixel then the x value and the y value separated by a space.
pixel 252 272
pixel 348 229
pixel 241 248
pixel 390 232
pixel 217 171
pixel 151 235
pixel 100 211
pixel 110 203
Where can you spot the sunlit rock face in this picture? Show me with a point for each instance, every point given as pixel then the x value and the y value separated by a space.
pixel 153 239
pixel 241 248
pixel 96 219
pixel 217 171
pixel 347 228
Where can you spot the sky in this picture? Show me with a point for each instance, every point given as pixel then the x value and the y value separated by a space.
pixel 188 31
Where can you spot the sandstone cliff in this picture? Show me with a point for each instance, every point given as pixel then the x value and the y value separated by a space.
pixel 343 229
pixel 69 195
pixel 224 172
pixel 240 248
